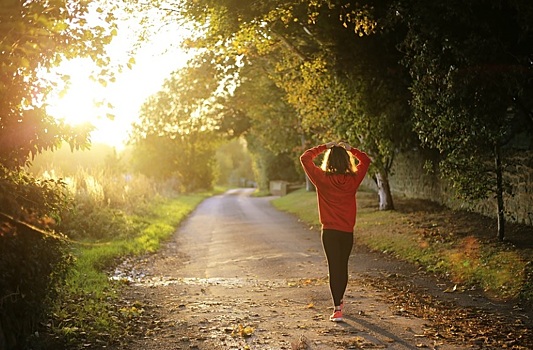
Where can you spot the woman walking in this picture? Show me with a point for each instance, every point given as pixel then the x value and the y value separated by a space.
pixel 336 186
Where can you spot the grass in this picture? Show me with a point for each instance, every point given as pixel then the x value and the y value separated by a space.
pixel 458 245
pixel 86 309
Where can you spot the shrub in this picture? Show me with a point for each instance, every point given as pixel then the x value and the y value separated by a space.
pixel 95 223
pixel 32 261
pixel 99 202
pixel 33 264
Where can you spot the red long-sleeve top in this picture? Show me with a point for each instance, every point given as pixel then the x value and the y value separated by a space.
pixel 337 207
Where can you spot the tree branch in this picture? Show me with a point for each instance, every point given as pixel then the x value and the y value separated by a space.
pixel 292 48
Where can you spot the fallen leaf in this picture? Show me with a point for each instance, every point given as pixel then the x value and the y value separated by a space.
pixel 451 290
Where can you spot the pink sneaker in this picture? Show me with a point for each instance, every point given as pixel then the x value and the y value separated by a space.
pixel 336 316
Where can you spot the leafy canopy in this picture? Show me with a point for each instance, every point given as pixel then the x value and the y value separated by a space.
pixel 36 36
pixel 471 77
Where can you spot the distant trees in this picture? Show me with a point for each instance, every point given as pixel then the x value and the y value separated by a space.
pixel 234 164
pixel 273 133
pixel 175 136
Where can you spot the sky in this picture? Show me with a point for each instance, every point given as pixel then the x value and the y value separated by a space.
pixel 156 58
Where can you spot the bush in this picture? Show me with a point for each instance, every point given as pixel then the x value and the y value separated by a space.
pixel 99 204
pixel 95 222
pixel 33 263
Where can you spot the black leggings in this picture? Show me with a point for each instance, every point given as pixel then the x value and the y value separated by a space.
pixel 337 246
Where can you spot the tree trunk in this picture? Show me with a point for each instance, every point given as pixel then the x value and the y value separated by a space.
pixel 384 192
pixel 309 187
pixel 499 194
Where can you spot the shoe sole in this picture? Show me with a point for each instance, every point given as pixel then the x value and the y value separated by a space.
pixel 338 319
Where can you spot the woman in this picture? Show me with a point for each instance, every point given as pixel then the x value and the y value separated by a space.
pixel 336 185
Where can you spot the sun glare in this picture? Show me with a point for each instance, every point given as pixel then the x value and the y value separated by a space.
pixel 77 104
pixel 86 101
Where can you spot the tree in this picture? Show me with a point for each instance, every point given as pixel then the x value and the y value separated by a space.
pixel 354 88
pixel 274 134
pixel 343 78
pixel 37 35
pixel 177 131
pixel 470 78
pixel 235 164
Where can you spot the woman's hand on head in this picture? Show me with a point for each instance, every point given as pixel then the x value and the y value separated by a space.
pixel 331 144
pixel 345 145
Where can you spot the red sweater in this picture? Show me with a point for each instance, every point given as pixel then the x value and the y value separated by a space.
pixel 335 193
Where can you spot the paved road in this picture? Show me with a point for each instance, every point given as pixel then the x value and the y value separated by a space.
pixel 238 236
pixel 239 274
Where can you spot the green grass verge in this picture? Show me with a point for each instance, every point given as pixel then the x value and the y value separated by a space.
pixel 86 309
pixel 494 267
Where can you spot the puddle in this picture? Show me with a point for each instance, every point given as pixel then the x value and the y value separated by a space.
pixel 213 281
pixel 129 273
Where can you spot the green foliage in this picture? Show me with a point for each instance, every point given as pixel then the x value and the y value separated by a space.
pixel 334 79
pixel 87 206
pixel 189 158
pixel 234 164
pixel 36 36
pixel 177 132
pixel 353 71
pixel 273 122
pixel 469 84
pixel 85 310
pixel 470 88
pixel 99 201
pixel 32 260
pixel 84 221
pixel 33 264
pixel 274 134
pixel 22 195
pixel 268 165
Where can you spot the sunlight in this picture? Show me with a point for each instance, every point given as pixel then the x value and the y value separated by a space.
pixel 85 100
pixel 78 104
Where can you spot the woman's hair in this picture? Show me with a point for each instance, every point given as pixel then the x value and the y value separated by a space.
pixel 338 161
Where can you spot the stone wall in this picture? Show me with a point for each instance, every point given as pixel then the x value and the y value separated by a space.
pixel 520 174
pixel 410 179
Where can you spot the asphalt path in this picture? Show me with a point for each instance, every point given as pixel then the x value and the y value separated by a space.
pixel 238 236
pixel 239 274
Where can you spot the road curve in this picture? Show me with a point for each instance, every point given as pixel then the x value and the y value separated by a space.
pixel 235 235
